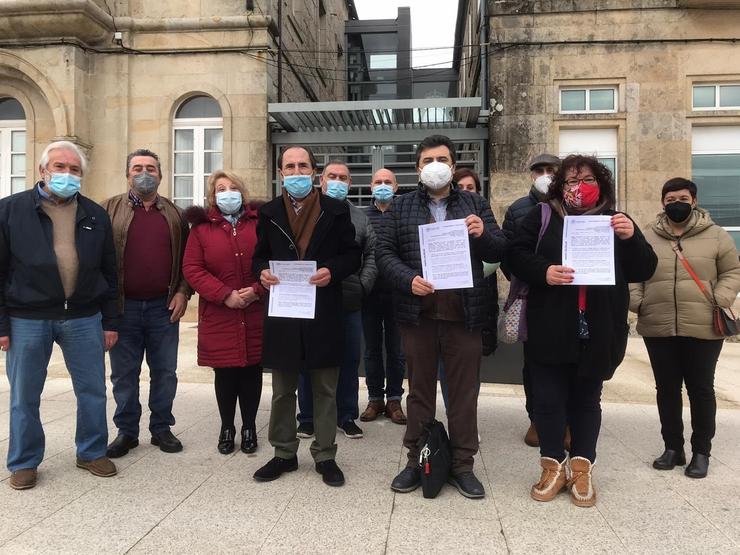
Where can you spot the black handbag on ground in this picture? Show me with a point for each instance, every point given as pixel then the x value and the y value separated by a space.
pixel 435 458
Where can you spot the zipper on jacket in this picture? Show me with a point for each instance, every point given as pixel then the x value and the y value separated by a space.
pixel 675 295
pixel 288 236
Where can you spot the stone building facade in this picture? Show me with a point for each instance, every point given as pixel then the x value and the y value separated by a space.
pixel 652 87
pixel 188 79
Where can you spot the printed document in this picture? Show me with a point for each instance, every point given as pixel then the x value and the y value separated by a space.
pixel 445 254
pixel 293 297
pixel 588 248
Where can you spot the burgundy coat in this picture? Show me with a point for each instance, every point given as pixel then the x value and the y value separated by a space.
pixel 218 260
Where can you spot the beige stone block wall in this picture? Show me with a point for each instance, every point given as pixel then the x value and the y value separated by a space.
pixel 654 85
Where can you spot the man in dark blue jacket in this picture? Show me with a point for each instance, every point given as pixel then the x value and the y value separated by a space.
pixel 57 285
pixel 439 325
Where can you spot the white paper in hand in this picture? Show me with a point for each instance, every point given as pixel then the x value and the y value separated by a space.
pixel 588 248
pixel 445 254
pixel 294 296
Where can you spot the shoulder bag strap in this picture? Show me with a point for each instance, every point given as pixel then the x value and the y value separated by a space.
pixel 677 249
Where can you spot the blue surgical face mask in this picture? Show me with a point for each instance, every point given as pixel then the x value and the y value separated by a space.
pixel 383 193
pixel 337 189
pixel 299 186
pixel 63 185
pixel 229 202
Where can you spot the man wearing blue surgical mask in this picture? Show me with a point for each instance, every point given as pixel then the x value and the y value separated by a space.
pixel 384 379
pixel 303 224
pixel 58 283
pixel 151 234
pixel 335 182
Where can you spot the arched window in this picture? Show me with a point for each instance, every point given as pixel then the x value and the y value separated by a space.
pixel 198 144
pixel 12 147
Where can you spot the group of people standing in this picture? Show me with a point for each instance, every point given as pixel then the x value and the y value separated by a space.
pixel 118 278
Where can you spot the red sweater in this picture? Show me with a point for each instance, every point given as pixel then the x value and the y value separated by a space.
pixel 147 260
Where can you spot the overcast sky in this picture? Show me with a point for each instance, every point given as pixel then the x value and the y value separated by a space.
pixel 432 25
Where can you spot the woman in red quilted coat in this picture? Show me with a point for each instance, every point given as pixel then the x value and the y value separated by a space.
pixel 218 266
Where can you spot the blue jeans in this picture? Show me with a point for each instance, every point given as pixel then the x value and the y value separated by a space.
pixel 145 328
pixel 443 383
pixel 348 385
pixel 31 341
pixel 378 323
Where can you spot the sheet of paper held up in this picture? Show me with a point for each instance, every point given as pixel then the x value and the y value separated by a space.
pixel 445 254
pixel 293 297
pixel 588 248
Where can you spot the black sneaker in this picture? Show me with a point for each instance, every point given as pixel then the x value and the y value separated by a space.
pixel 275 468
pixel 407 480
pixel 467 484
pixel 305 430
pixel 330 473
pixel 351 429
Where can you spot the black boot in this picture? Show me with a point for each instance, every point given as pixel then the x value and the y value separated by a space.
pixel 226 440
pixel 670 459
pixel 249 439
pixel 698 466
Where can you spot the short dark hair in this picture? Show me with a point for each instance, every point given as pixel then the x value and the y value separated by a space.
pixel 311 157
pixel 143 152
pixel 602 174
pixel 435 140
pixel 467 172
pixel 677 184
pixel 336 162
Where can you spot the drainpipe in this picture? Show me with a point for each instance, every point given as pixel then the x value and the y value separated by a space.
pixel 485 100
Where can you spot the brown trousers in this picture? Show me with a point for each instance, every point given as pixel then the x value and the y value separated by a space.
pixel 460 351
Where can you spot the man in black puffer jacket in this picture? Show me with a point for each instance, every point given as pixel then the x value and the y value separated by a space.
pixel 443 324
pixel 542 168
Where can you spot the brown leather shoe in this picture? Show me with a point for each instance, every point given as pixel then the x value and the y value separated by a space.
pixel 581 485
pixel 394 411
pixel 566 439
pixel 531 438
pixel 552 481
pixel 25 478
pixel 373 410
pixel 102 467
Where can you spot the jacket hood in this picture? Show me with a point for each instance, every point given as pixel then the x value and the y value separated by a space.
pixel 196 215
pixel 699 220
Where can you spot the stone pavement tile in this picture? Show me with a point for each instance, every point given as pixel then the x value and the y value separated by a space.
pixel 443 533
pixel 349 519
pixel 655 520
pixel 559 527
pixel 59 483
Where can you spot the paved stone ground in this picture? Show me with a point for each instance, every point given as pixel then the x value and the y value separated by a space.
pixel 199 501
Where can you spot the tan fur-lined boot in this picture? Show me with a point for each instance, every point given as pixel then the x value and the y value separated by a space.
pixel 581 486
pixel 551 482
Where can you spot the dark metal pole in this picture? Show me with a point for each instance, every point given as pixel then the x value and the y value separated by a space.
pixel 280 53
pixel 485 100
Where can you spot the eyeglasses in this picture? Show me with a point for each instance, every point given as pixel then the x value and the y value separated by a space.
pixel 576 182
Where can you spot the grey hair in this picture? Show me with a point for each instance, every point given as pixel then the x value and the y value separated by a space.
pixel 63 145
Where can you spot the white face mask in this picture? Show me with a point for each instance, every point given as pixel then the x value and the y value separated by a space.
pixel 542 183
pixel 436 175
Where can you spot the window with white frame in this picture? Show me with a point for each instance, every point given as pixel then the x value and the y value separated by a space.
pixel 601 143
pixel 12 147
pixel 716 97
pixel 198 139
pixel 715 168
pixel 588 100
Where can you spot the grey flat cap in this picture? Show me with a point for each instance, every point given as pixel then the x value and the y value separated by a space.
pixel 544 160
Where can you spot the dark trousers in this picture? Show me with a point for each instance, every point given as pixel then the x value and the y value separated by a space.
pixel 560 397
pixel 244 384
pixel 460 351
pixel 384 381
pixel 679 360
pixel 145 329
pixel 348 384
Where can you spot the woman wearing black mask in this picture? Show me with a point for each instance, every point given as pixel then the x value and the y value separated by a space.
pixel 675 320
